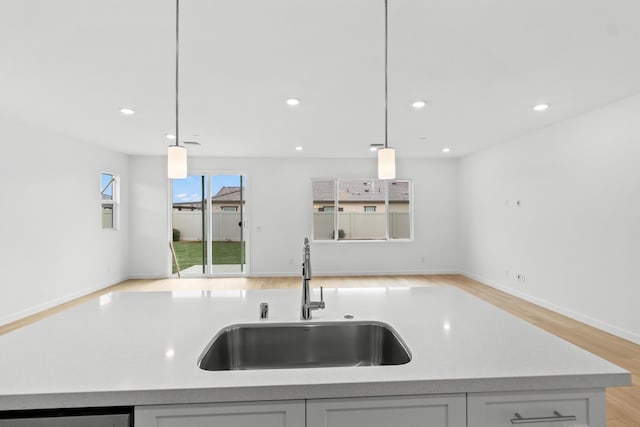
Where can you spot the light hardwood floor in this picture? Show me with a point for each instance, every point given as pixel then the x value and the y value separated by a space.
pixel 623 403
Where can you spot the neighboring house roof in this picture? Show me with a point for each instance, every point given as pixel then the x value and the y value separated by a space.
pixel 227 194
pixel 193 205
pixel 360 191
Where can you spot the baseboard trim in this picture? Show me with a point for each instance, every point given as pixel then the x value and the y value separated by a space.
pixel 10 318
pixel 331 273
pixel 316 273
pixel 580 317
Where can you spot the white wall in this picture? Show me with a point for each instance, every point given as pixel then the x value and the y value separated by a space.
pixel 576 235
pixel 149 213
pixel 276 234
pixel 53 247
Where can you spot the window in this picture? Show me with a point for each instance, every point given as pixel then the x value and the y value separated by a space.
pixel 361 209
pixel 329 209
pixel 229 208
pixel 109 200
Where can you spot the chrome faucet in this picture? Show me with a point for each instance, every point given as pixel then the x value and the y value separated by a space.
pixel 307 305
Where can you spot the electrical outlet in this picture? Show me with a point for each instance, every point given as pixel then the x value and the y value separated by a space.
pixel 422 260
pixel 290 260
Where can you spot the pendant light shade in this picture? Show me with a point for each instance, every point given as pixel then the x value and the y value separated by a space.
pixel 176 154
pixel 386 155
pixel 386 163
pixel 177 162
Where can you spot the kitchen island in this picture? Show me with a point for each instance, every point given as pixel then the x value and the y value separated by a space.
pixel 139 349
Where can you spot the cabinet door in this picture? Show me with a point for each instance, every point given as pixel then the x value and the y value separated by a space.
pixel 404 411
pixel 246 414
pixel 544 409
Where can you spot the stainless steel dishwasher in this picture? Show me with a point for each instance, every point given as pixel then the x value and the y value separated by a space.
pixel 76 417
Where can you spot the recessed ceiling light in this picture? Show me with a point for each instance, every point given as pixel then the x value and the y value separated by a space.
pixel 299 148
pixel 446 150
pixel 127 111
pixel 169 136
pixel 417 105
pixel 540 107
pixel 293 102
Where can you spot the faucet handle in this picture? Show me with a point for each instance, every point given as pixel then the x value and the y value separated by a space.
pixel 264 310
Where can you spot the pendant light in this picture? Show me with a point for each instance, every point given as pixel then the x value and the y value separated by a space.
pixel 386 155
pixel 177 155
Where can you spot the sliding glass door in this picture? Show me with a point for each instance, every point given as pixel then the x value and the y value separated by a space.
pixel 228 250
pixel 208 216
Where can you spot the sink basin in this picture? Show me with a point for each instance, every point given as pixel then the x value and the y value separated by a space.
pixel 304 345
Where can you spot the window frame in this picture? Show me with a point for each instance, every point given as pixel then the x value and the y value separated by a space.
pixel 114 202
pixel 339 209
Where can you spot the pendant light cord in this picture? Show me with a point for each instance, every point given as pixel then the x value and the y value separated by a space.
pixel 177 67
pixel 386 79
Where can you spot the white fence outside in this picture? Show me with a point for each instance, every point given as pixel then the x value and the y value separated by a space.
pixel 362 225
pixel 225 225
pixel 107 218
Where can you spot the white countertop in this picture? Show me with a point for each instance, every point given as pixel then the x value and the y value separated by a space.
pixel 141 348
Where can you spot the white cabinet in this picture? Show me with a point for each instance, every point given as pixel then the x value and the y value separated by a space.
pixel 289 413
pixel 550 409
pixel 405 411
pixel 576 408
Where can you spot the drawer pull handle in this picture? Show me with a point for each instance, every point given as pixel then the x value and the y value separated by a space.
pixel 558 417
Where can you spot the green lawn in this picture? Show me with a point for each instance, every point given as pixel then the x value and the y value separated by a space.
pixel 190 253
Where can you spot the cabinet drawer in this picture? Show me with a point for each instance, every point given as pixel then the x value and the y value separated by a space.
pixel 241 414
pixel 538 409
pixel 401 411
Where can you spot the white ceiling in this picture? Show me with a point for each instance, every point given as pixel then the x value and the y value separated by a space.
pixel 70 65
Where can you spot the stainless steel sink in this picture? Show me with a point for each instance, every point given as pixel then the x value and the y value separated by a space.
pixel 304 345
